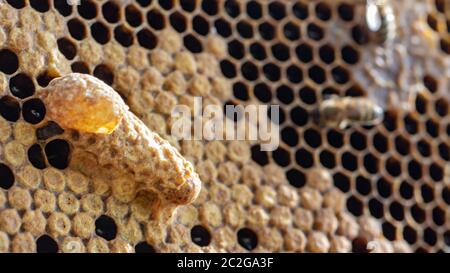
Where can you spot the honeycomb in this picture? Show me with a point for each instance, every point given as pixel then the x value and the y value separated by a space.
pixel 379 188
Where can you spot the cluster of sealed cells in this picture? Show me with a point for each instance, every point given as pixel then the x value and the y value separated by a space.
pixel 278 54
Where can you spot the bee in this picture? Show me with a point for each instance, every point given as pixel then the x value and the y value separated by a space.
pixel 379 21
pixel 342 112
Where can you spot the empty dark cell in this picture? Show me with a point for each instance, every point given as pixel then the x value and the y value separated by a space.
pixel 9 61
pixel 294 74
pixel 282 157
pixel 300 10
pixel 133 16
pixel 307 95
pixel 304 158
pixel 80 67
pixel 267 31
pixel 254 9
pixel 166 4
pixel 6 177
pixel 192 44
pixel 46 244
pixel 87 9
pixel 178 21
pixel 380 142
pixel 355 91
pixel 323 11
pixel 33 111
pixel 111 12
pixel 384 187
pixel 432 128
pixel 245 29
pixel 445 46
pixel 291 31
pixel 389 231
pixel 272 72
pixel 9 108
pixel 144 247
pixel 349 161
pixel 358 141
pixel 414 170
pixel 349 55
pixel 258 51
pixel 299 116
pixel 346 11
pixel 317 74
pixel 304 53
pixel 188 5
pixel 240 91
pixel 250 71
pixel 106 227
pixel 402 145
pixel 200 25
pixel 58 152
pixel 247 238
pixel 49 130
pixel 430 83
pixel 76 29
pixel 236 49
pixel 363 185
pixel 67 48
pixel 314 32
pixel 436 172
pixel 340 75
pixel 427 193
pixel 104 73
pixel 406 190
pixel 21 86
pixel 147 39
pixel 421 104
pixel 376 208
pixel 210 7
pixel 123 36
pixel 156 19
pixel 18 4
pixel 411 124
pixel 441 5
pixel 100 33
pixel 262 92
pixel 200 236
pixel 289 136
pixel 335 138
pixel 409 234
pixel 444 151
pixel 393 167
pixel 439 216
pixel 277 10
pixel 418 214
pixel 284 94
pixel 397 211
pixel 296 178
pixel 327 159
pixel 441 107
pixel 390 121
pixel 233 8
pixel 280 52
pixel 36 157
pixel 259 156
pixel 40 5
pixel 312 138
pixel 144 3
pixel 326 54
pixel 44 78
pixel 359 245
pixel 63 7
pixel 360 35
pixel 355 206
pixel 228 69
pixel 432 22
pixel 371 163
pixel 342 182
pixel 430 236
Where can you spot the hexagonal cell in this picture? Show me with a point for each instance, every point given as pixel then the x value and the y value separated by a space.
pixel 272 72
pixel 133 15
pixel 406 190
pixel 432 22
pixel 192 43
pixel 10 61
pixel 245 29
pixel 259 156
pixel 312 138
pixel 349 54
pixel 285 94
pixel 294 74
pixel 44 78
pixel 409 234
pixel 444 151
pixel 258 51
pixel 254 9
pixel 200 235
pixel 358 141
pixel 291 31
pixel 236 49
pixel 390 121
pixel 384 187
pixel 436 172
pixel 327 159
pixel 250 71
pixel 307 94
pixel 430 236
pixel 341 181
pixel 323 11
pixel 402 145
pixel 441 107
pixel 371 163
pixel 432 128
pixel 77 29
pixel 123 35
pixel 210 7
pixel 304 53
pixel 296 178
pixel 346 11
pixel 6 177
pixel 228 69
pixel 280 51
pixel 360 35
pixel 376 208
pixel 40 5
pixel 415 169
pixel 340 75
pixel 240 91
pixel 267 31
pixel 315 32
pixel 9 108
pixel 17 4
pixel 63 7
pixel 36 157
pixel 87 9
pixel 380 142
pixel 233 8
pixel 111 12
pixel 349 161
pixel 299 116
pixel 300 10
pixel 427 193
pixel 363 185
pixel 100 33
pixel 335 138
pixel 166 4
pixel 33 111
pixel 327 54
pixel 397 211
pixel 80 67
pixel 439 216
pixel 411 124
pixel 156 19
pixel 282 157
pixel 289 136
pixel 355 91
pixel 317 74
pixel 178 21
pixel 445 45
pixel 262 92
pixel 22 86
pixel 104 73
pixel 67 48
pixel 304 158
pixel 223 28
pixel 200 25
pixel 355 206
